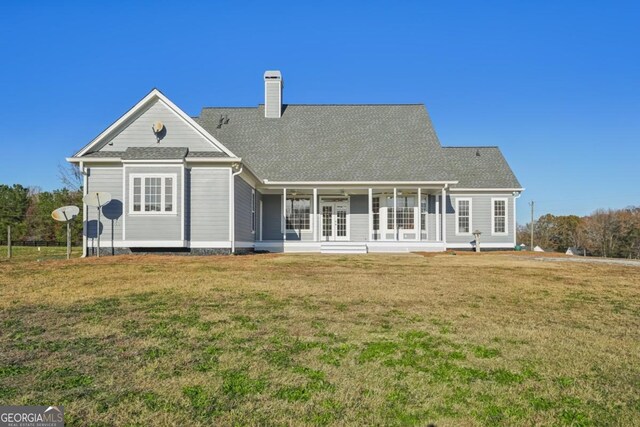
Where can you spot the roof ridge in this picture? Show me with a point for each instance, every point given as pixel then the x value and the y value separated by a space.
pixel 471 146
pixel 204 108
pixel 331 105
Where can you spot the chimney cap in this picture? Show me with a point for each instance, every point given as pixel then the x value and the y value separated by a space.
pixel 272 75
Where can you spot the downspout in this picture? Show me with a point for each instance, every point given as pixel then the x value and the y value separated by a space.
pixel 84 210
pixel 232 196
pixel 515 218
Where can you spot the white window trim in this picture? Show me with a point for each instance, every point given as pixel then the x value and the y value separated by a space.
pixel 458 200
pixel 253 211
pixel 506 216
pixel 301 230
pixel 142 176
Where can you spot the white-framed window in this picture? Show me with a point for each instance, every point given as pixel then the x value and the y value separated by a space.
pixel 499 216
pixel 253 210
pixel 463 216
pixel 405 214
pixel 152 194
pixel 298 213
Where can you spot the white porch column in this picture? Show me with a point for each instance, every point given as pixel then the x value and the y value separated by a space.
pixel 420 214
pixel 395 214
pixel 370 214
pixel 284 214
pixel 437 218
pixel 315 221
pixel 444 215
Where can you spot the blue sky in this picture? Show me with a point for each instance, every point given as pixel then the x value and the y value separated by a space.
pixel 555 84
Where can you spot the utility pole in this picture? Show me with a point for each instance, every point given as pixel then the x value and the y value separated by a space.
pixel 531 203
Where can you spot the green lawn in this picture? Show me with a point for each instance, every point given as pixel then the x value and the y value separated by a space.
pixel 489 339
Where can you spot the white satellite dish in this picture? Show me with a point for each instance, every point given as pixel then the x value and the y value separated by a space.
pixel 97 199
pixel 158 126
pixel 65 213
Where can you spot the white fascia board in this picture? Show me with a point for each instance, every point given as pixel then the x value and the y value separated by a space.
pixel 486 189
pixel 93 159
pixel 187 159
pixel 213 159
pixel 178 162
pixel 151 96
pixel 342 183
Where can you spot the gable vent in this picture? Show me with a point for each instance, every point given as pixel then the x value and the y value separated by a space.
pixel 273 94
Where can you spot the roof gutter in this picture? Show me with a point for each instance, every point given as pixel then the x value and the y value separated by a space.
pixel 188 159
pixel 267 182
pixel 488 189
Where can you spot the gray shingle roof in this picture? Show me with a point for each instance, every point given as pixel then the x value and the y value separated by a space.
pixel 333 142
pixel 102 154
pixel 155 153
pixel 206 154
pixel 480 167
pixel 340 143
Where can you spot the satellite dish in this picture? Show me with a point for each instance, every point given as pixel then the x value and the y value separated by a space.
pixel 65 213
pixel 97 199
pixel 157 127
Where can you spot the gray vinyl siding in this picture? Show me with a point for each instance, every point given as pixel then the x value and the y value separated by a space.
pixel 209 204
pixel 272 101
pixel 480 219
pixel 154 227
pixel 272 216
pixel 107 179
pixel 243 217
pixel 178 133
pixel 258 220
pixel 359 217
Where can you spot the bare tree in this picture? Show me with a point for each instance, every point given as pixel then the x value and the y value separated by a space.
pixel 71 176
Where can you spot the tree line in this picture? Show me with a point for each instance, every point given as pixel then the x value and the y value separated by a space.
pixel 606 233
pixel 28 212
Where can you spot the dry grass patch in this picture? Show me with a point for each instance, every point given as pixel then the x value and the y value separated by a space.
pixel 308 339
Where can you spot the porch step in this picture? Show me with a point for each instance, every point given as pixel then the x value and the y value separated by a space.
pixel 343 248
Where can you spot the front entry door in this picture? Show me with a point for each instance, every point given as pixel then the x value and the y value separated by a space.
pixel 334 220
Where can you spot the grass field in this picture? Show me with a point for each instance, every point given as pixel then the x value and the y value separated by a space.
pixel 489 339
pixel 45 253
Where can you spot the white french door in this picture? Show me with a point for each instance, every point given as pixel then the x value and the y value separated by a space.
pixel 406 217
pixel 334 220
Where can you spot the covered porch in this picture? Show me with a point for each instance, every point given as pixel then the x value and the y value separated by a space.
pixel 353 219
